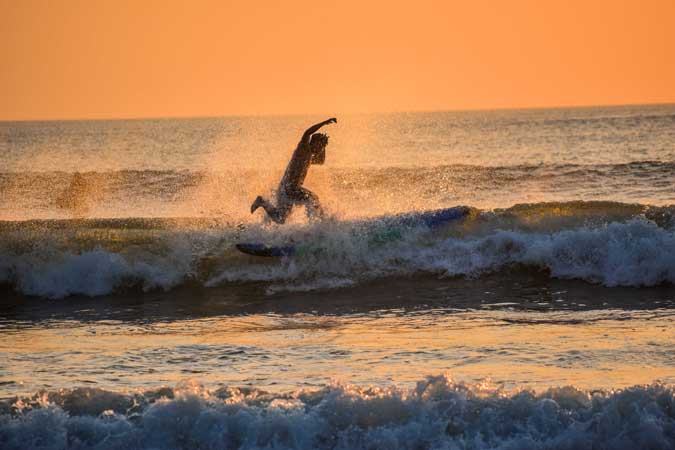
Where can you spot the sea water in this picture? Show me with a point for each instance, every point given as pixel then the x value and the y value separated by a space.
pixel 544 319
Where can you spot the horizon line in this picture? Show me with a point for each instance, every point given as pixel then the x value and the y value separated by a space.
pixel 352 113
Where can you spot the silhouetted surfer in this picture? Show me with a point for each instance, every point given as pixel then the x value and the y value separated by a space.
pixel 310 150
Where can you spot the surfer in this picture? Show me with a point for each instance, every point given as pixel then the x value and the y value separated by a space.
pixel 310 150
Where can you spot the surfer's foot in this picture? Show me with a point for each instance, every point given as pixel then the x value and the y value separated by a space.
pixel 256 204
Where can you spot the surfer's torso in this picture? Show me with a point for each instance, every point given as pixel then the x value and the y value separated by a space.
pixel 297 169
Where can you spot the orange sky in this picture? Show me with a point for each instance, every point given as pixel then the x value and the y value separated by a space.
pixel 128 58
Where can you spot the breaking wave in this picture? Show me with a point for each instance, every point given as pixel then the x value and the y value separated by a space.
pixel 438 413
pixel 608 243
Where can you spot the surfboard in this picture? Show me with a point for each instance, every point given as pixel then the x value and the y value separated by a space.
pixel 389 231
pixel 264 250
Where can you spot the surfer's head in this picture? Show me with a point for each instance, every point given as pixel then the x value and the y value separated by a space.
pixel 318 144
pixel 318 141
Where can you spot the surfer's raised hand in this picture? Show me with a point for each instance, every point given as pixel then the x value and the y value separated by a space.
pixel 328 122
pixel 314 128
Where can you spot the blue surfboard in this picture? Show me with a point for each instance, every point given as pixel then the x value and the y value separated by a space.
pixel 393 226
pixel 264 250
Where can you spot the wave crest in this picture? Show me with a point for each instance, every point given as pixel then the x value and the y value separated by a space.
pixel 609 243
pixel 636 253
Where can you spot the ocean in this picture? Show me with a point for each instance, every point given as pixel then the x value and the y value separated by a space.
pixel 544 319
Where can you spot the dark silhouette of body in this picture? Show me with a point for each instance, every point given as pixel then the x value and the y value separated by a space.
pixel 310 150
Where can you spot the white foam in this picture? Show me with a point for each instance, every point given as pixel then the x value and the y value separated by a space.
pixel 635 253
pixel 632 253
pixel 93 273
pixel 437 414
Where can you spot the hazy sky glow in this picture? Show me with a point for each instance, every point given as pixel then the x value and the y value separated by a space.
pixel 127 58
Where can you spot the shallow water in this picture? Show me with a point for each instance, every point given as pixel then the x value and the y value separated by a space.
pixel 522 331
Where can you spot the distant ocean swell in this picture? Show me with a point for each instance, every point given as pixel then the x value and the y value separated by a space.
pixel 362 191
pixel 607 243
pixel 437 414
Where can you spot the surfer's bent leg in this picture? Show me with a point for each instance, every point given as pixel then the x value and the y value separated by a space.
pixel 276 213
pixel 311 202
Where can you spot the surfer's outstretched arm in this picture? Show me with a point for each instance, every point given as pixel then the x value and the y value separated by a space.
pixel 314 128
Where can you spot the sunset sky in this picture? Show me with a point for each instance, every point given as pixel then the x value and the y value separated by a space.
pixel 127 58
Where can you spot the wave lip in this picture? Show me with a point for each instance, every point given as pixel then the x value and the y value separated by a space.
pixel 437 414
